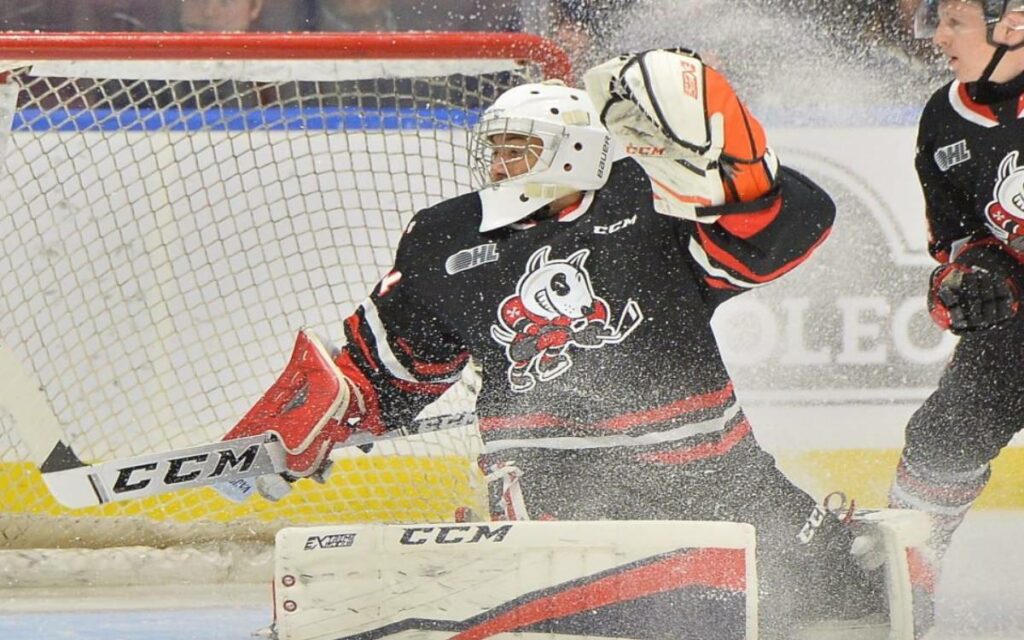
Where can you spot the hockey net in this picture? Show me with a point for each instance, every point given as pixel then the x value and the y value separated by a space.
pixel 175 208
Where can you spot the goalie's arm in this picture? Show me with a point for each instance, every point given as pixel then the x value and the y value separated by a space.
pixel 758 242
pixel 398 353
pixel 398 358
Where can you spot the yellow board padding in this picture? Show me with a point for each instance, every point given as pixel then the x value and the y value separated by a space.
pixel 865 475
pixel 417 489
pixel 367 489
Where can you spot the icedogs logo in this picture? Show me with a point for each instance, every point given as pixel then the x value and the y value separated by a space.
pixel 1005 214
pixel 553 308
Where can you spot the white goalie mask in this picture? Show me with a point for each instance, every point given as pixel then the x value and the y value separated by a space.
pixel 544 141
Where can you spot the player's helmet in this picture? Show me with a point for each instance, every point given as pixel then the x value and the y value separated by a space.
pixel 576 154
pixel 926 18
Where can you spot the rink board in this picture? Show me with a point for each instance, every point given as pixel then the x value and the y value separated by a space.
pixel 862 473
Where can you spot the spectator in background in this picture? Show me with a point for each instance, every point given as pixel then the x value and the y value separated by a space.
pixel 581 27
pixel 218 15
pixel 372 94
pixel 346 16
pixel 493 15
pixel 122 15
pixel 415 15
pixel 35 15
pixel 284 15
pixel 355 15
pixel 223 94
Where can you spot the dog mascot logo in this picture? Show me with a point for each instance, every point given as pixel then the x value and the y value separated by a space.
pixel 553 308
pixel 1005 214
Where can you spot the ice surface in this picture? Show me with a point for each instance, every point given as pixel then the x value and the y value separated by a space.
pixel 222 612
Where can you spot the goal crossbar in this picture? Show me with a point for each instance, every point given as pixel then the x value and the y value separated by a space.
pixel 26 46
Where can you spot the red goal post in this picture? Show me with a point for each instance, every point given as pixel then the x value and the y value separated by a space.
pixel 176 207
pixel 524 47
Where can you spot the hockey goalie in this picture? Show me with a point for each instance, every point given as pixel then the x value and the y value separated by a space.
pixel 580 278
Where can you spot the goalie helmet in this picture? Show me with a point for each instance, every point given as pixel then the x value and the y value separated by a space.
pixel 574 152
pixel 926 18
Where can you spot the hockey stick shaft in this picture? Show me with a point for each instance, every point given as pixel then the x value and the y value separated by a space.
pixel 225 462
pixel 22 397
pixel 75 484
pixel 228 466
pixel 239 489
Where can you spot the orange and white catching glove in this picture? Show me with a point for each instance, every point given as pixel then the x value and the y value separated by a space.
pixel 683 123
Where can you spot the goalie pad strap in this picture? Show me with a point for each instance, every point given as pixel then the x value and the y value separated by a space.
pixel 768 203
pixel 512 502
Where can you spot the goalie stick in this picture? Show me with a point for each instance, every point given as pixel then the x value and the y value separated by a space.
pixel 227 466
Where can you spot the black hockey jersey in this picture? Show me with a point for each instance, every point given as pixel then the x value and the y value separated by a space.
pixel 969 160
pixel 591 328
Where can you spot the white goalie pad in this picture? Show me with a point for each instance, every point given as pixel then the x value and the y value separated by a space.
pixel 903 537
pixel 896 539
pixel 612 579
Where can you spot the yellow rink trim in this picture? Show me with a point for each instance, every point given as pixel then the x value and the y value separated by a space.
pixel 398 488
pixel 865 474
pixel 410 489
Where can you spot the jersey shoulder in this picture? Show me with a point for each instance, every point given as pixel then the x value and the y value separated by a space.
pixel 940 97
pixel 939 104
pixel 938 116
pixel 449 217
pixel 627 186
pixel 627 172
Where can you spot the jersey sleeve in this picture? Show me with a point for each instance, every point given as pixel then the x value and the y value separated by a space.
pixel 947 207
pixel 398 351
pixel 754 243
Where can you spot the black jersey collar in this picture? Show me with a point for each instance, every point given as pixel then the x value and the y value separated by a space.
pixel 964 100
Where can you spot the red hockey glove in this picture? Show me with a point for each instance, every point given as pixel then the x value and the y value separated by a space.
pixel 306 410
pixel 979 290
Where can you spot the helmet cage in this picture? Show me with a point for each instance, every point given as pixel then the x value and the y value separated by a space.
pixel 496 139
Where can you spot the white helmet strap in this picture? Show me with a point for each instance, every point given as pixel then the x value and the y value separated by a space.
pixel 547 192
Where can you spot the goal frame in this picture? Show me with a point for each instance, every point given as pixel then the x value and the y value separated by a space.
pixel 26 46
pixel 23 49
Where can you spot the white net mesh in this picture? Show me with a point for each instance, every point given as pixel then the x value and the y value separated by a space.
pixel 167 227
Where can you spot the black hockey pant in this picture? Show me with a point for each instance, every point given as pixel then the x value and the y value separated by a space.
pixel 951 439
pixel 798 582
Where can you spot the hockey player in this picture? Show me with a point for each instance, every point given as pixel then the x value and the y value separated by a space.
pixel 583 286
pixel 970 161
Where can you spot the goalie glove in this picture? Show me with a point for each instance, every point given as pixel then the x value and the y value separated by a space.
pixel 683 123
pixel 306 410
pixel 979 289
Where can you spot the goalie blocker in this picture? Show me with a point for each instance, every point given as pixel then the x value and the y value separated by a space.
pixel 608 579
